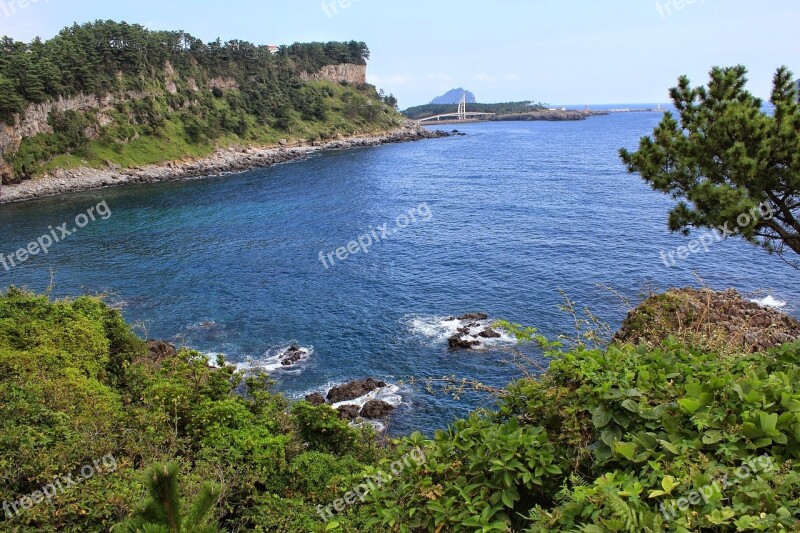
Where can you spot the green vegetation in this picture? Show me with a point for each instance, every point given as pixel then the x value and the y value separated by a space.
pixel 173 96
pixel 505 108
pixel 607 439
pixel 726 157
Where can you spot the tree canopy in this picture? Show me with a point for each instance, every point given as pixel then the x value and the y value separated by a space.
pixel 726 158
pixel 108 56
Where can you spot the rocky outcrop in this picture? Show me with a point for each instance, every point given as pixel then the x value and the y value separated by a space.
pixel 337 73
pixel 315 399
pixel 227 84
pixel 354 389
pixel 348 399
pixel 159 350
pixel 707 318
pixel 222 162
pixel 474 331
pixel 293 355
pixel 375 409
pixel 34 119
pixel 349 412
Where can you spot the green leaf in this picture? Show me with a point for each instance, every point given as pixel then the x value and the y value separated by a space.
pixel 768 423
pixel 690 405
pixel 601 417
pixel 631 406
pixel 626 449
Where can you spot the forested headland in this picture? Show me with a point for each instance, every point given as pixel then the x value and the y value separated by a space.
pixel 110 93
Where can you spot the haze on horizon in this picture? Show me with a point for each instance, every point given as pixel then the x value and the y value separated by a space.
pixel 630 51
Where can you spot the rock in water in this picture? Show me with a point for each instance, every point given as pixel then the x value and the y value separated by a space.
pixel 348 412
pixel 489 333
pixel 376 409
pixel 460 341
pixel 315 399
pixel 354 389
pixel 474 316
pixel 292 356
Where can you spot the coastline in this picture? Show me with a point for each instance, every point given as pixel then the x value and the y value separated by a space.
pixel 222 161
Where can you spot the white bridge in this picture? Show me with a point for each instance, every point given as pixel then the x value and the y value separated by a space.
pixel 459 116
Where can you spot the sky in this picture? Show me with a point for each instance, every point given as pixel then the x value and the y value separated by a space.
pixel 553 51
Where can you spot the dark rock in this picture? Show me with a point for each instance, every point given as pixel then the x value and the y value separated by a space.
pixel 376 409
pixel 354 389
pixel 315 399
pixel 160 350
pixel 292 356
pixel 717 317
pixel 348 412
pixel 460 342
pixel 489 333
pixel 474 316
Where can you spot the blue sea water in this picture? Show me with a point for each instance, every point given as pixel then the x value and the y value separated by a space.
pixel 518 212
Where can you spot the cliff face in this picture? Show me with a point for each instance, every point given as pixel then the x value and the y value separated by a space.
pixel 34 119
pixel 337 73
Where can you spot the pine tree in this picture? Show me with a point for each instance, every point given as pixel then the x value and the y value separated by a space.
pixel 162 512
pixel 726 160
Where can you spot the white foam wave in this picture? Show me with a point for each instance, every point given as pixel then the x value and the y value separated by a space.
pixel 439 329
pixel 769 301
pixel 212 358
pixel 272 361
pixel 389 394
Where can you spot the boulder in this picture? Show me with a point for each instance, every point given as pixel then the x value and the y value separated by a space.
pixel 160 350
pixel 315 399
pixel 474 316
pixel 376 409
pixel 461 342
pixel 489 333
pixel 348 412
pixel 292 355
pixel 354 389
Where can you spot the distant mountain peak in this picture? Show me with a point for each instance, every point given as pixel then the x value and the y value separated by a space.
pixel 453 96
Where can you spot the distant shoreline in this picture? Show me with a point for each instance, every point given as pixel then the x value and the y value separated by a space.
pixel 223 161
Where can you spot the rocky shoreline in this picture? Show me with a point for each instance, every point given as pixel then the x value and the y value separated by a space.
pixel 223 161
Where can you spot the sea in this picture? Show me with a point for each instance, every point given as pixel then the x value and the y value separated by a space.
pixel 365 258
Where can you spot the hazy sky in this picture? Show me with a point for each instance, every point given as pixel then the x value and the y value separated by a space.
pixel 555 51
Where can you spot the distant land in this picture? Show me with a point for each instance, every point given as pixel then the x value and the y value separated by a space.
pixel 453 96
pixel 502 111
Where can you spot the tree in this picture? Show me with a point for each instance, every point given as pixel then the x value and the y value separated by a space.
pixel 731 165
pixel 10 102
pixel 162 511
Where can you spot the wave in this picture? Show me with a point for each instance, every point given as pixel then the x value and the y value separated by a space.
pixel 439 329
pixel 389 394
pixel 769 301
pixel 277 360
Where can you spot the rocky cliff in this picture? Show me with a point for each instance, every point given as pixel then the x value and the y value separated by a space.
pixel 345 72
pixel 34 119
pixel 705 318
